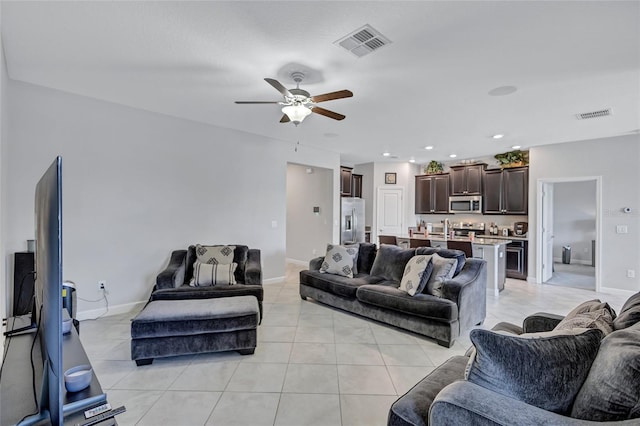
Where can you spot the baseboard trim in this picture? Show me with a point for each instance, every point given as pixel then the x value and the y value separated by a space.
pixel 273 280
pixel 586 262
pixel 297 261
pixel 113 310
pixel 617 291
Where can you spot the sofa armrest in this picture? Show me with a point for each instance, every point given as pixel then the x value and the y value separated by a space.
pixel 316 263
pixel 540 322
pixel 253 268
pixel 173 275
pixel 468 290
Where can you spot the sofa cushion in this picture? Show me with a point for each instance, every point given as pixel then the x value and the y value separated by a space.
pixel 448 253
pixel 629 314
pixel 207 274
pixel 386 295
pixel 443 269
pixel 339 260
pixel 612 388
pixel 335 284
pixel 366 257
pixel 390 262
pixel 545 370
pixel 416 274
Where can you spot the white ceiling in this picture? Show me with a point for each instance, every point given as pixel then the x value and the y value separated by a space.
pixel 429 87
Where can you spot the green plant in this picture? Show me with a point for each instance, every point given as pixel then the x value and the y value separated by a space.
pixel 512 157
pixel 434 167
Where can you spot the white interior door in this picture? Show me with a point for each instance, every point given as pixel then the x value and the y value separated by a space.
pixel 547 231
pixel 390 211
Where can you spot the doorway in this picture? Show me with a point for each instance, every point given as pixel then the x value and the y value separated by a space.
pixel 390 212
pixel 569 232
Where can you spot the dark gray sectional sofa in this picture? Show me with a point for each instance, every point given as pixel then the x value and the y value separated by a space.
pixel 610 393
pixel 462 306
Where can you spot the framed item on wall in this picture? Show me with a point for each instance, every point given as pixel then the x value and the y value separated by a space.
pixel 390 178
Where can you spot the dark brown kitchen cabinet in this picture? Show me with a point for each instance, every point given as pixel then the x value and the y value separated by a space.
pixel 345 181
pixel 466 180
pixel 506 191
pixel 432 194
pixel 356 185
pixel 516 254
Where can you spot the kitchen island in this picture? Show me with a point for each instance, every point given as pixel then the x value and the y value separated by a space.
pixel 490 249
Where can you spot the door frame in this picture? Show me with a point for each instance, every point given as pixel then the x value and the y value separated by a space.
pixel 541 220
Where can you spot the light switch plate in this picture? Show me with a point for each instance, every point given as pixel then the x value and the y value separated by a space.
pixel 621 229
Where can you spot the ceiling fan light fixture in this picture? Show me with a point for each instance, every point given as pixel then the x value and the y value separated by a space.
pixel 296 113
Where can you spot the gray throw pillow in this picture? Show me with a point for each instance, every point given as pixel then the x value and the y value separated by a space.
pixel 629 314
pixel 545 370
pixel 338 261
pixel 612 389
pixel 390 262
pixel 416 274
pixel 443 269
pixel 600 319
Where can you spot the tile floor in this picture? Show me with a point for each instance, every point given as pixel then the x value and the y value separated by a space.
pixel 573 275
pixel 314 365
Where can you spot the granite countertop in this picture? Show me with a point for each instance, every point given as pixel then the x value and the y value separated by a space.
pixel 510 237
pixel 477 240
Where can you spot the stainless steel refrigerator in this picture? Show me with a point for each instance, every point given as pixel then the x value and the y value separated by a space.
pixel 352 220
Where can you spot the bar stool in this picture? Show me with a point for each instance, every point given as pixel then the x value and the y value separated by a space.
pixel 465 246
pixel 415 243
pixel 388 239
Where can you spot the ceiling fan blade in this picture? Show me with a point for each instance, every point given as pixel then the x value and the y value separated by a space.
pixel 285 118
pixel 327 113
pixel 257 102
pixel 331 96
pixel 279 87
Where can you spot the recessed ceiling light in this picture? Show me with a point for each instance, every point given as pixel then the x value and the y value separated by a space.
pixel 428 147
pixel 515 147
pixel 386 154
pixel 453 155
pixel 413 160
pixel 498 136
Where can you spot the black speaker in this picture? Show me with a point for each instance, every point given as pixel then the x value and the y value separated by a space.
pixel 23 282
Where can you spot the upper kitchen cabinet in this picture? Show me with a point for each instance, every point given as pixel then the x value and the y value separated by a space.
pixel 506 191
pixel 432 194
pixel 345 181
pixel 466 180
pixel 356 185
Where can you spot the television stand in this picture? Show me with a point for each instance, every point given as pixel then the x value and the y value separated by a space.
pixel 16 395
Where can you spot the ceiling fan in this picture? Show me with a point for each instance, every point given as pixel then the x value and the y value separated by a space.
pixel 299 103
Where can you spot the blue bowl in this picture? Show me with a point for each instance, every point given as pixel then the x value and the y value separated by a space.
pixel 78 378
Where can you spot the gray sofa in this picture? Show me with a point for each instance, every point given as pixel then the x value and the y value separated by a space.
pixel 173 282
pixel 609 393
pixel 462 306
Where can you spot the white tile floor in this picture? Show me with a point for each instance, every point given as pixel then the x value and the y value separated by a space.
pixel 314 365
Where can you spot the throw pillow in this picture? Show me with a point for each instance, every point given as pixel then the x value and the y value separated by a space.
pixel 600 319
pixel 448 253
pixel 443 269
pixel 416 274
pixel 390 262
pixel 215 254
pixel 611 391
pixel 355 246
pixel 545 370
pixel 338 261
pixel 629 314
pixel 210 274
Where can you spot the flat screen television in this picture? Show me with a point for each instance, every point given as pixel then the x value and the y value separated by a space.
pixel 48 290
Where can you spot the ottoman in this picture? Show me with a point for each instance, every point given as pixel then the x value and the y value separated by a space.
pixel 180 327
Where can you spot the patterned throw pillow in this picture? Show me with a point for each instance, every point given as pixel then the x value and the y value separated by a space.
pixel 355 257
pixel 416 274
pixel 339 261
pixel 210 274
pixel 443 269
pixel 214 255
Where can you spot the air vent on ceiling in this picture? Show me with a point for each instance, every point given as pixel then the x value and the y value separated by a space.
pixel 594 114
pixel 363 41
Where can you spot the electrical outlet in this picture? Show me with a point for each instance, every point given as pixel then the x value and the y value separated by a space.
pixel 314 251
pixel 631 273
pixel 102 285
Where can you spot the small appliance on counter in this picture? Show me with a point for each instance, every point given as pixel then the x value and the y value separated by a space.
pixel 520 229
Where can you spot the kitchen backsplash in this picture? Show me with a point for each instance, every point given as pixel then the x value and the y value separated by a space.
pixel 502 221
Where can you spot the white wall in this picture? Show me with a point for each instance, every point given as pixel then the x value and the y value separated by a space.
pixel 307 232
pixel 137 185
pixel 574 219
pixel 616 160
pixel 3 139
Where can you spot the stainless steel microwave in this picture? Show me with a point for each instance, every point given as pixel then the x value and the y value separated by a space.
pixel 465 204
